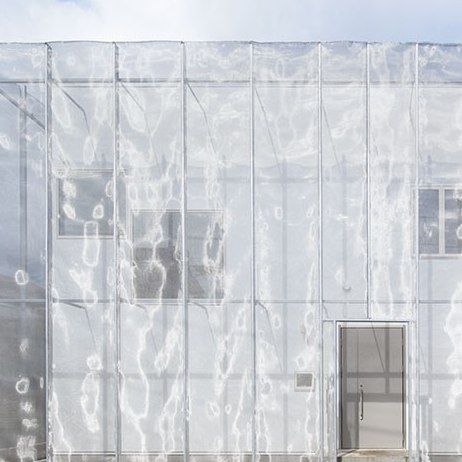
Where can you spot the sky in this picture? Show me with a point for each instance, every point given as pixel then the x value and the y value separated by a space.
pixel 259 20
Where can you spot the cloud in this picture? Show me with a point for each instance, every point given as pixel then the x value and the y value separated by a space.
pixel 262 20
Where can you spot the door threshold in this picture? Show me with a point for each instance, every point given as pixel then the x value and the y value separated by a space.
pixel 385 454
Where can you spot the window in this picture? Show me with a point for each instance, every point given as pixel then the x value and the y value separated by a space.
pixel 157 254
pixel 453 221
pixel 429 221
pixel 304 381
pixel 440 221
pixel 85 205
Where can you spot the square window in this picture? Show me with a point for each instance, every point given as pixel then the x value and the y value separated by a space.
pixel 304 381
pixel 85 205
pixel 157 254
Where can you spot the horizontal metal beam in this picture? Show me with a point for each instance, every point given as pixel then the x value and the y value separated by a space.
pixel 239 82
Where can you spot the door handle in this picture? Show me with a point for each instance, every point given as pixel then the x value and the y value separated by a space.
pixel 361 402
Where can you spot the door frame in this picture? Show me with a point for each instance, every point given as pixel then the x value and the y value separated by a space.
pixel 339 324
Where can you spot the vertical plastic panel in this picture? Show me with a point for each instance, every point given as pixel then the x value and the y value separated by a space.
pixel 440 99
pixel 413 404
pixel 150 254
pixel 286 217
pixel 329 388
pixel 82 277
pixel 22 145
pixel 22 353
pixel 22 250
pixel 441 367
pixel 286 161
pixel 219 249
pixel 287 346
pixel 152 371
pixel 82 160
pixel 392 179
pixel 83 380
pixel 344 172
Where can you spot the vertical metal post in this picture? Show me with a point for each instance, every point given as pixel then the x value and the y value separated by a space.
pixel 116 301
pixel 22 212
pixel 285 306
pixel 184 208
pixel 336 369
pixel 48 256
pixel 416 252
pixel 253 270
pixel 320 263
pixel 368 184
pixel 23 186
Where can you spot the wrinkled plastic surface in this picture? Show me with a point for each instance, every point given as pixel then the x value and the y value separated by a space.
pixel 290 172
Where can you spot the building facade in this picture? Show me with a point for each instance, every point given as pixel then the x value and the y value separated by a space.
pixel 230 251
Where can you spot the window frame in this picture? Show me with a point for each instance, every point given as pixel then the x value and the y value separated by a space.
pixel 441 188
pixel 131 224
pixel 73 174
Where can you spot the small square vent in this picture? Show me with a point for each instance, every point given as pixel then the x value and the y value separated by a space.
pixel 304 381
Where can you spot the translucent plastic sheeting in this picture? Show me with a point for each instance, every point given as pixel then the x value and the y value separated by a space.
pixel 186 226
pixel 23 252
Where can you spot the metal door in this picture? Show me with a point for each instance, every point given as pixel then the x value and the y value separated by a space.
pixel 372 387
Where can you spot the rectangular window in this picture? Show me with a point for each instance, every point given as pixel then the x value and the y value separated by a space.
pixel 85 205
pixel 429 221
pixel 453 221
pixel 440 221
pixel 157 254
